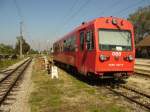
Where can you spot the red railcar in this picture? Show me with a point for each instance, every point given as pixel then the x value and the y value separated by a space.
pixel 103 47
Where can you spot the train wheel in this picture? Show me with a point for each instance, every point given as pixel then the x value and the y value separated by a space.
pixel 72 70
pixel 91 79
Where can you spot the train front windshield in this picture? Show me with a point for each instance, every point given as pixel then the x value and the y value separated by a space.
pixel 115 40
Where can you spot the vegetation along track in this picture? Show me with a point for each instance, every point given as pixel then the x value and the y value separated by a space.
pixel 132 94
pixel 8 82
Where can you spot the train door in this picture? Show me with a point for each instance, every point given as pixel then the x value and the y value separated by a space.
pixel 81 51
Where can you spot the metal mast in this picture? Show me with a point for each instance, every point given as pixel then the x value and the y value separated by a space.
pixel 21 38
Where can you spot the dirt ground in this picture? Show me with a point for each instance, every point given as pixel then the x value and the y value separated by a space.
pixel 21 103
pixel 39 93
pixel 140 82
pixel 70 94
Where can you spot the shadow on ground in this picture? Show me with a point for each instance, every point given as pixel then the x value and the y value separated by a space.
pixel 94 81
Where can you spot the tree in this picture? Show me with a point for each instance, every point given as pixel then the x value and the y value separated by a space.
pixel 141 22
pixel 25 47
pixel 6 49
pixel 32 51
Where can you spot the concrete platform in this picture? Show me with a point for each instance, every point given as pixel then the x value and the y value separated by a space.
pixel 142 66
pixel 142 60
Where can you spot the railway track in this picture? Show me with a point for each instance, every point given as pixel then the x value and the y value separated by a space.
pixel 141 74
pixel 8 82
pixel 133 95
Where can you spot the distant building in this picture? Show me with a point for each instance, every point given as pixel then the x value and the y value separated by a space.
pixel 143 48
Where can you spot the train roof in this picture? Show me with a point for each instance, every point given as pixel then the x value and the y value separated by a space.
pixel 84 24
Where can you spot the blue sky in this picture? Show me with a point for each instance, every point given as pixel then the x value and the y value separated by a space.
pixel 44 21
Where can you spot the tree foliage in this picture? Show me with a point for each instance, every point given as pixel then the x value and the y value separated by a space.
pixel 32 51
pixel 25 46
pixel 141 21
pixel 6 49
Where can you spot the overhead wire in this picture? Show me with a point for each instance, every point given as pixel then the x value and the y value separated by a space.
pixel 107 6
pixel 22 19
pixel 18 10
pixel 114 4
pixel 74 14
pixel 80 8
pixel 71 9
pixel 67 15
pixel 124 9
pixel 121 12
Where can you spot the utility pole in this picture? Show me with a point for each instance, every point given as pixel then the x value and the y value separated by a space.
pixel 48 46
pixel 21 38
pixel 39 46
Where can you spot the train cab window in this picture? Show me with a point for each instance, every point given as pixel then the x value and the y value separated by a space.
pixel 90 40
pixel 81 40
pixel 115 40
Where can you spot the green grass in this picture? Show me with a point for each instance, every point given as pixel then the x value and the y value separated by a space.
pixel 112 108
pixel 5 63
pixel 67 94
pixel 46 94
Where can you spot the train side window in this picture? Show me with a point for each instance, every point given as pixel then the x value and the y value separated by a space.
pixel 72 43
pixel 69 44
pixel 90 40
pixel 65 44
pixel 81 40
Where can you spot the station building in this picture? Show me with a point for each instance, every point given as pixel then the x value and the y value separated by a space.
pixel 143 48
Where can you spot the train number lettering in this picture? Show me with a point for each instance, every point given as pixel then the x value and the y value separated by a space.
pixel 116 53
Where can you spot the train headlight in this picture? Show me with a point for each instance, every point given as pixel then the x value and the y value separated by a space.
pixel 103 57
pixel 114 21
pixel 130 58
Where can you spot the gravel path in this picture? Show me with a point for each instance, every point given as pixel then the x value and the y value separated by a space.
pixel 21 102
pixel 140 82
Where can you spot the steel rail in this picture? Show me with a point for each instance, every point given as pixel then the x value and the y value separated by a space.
pixel 1 80
pixel 130 98
pixel 134 90
pixel 12 84
pixel 142 74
